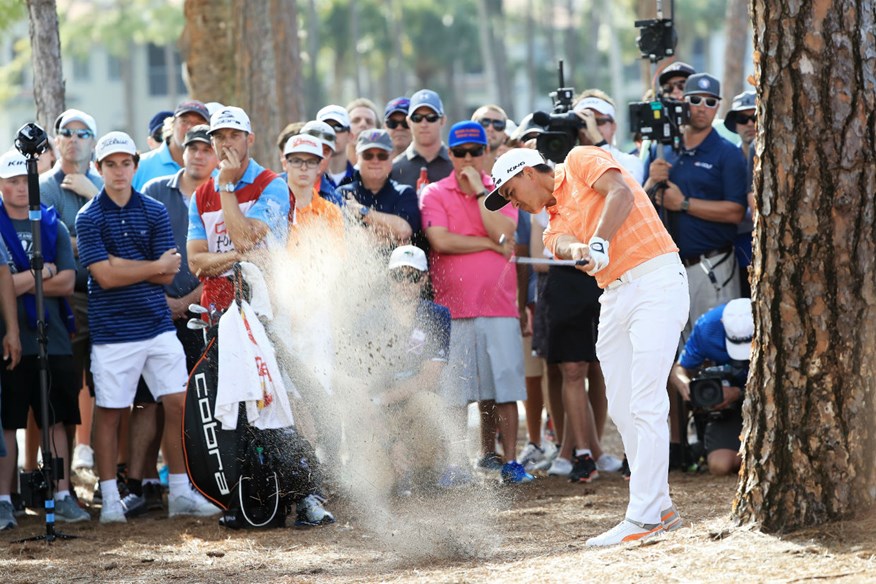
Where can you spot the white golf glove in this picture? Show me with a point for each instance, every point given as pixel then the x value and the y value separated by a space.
pixel 598 254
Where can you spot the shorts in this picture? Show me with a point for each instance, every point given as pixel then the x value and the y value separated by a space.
pixel 485 361
pixel 724 433
pixel 533 365
pixel 21 392
pixel 117 368
pixel 193 346
pixel 572 299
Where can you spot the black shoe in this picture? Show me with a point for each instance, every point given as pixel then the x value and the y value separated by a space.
pixel 491 462
pixel 625 469
pixel 583 469
pixel 18 508
pixel 152 493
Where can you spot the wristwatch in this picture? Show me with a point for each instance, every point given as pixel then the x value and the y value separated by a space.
pixel 227 188
pixel 685 205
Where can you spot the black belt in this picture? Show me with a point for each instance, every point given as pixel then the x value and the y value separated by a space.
pixel 692 261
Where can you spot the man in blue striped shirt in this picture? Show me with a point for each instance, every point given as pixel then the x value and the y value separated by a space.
pixel 127 245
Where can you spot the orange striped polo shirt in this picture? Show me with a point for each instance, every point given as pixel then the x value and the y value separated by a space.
pixel 579 207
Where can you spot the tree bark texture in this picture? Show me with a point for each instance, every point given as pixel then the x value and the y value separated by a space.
pixel 736 24
pixel 810 421
pixel 48 77
pixel 207 46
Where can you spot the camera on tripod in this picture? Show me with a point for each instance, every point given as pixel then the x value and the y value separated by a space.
pixel 35 484
pixel 562 124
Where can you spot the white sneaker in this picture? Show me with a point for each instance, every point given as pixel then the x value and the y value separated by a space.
pixel 560 467
pixel 83 457
pixel 671 519
pixel 609 463
pixel 550 453
pixel 626 531
pixel 191 503
pixel 530 455
pixel 112 512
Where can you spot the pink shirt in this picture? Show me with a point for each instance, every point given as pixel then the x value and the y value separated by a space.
pixel 475 284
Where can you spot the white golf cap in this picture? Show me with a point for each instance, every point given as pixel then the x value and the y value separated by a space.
pixel 12 163
pixel 230 117
pixel 738 328
pixel 75 115
pixel 335 113
pixel 113 143
pixel 321 131
pixel 596 104
pixel 507 167
pixel 408 255
pixel 303 144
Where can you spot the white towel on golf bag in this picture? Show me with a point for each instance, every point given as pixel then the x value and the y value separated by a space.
pixel 248 373
pixel 258 289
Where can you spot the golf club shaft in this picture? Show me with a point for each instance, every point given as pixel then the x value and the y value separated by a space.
pixel 547 262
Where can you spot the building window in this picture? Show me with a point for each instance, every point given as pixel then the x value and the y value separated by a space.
pixel 81 68
pixel 157 64
pixel 113 68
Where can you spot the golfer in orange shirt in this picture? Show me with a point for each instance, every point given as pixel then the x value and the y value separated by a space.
pixel 600 216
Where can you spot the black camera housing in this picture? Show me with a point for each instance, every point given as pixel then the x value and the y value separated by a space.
pixel 707 388
pixel 657 38
pixel 562 124
pixel 659 121
pixel 35 484
pixel 31 140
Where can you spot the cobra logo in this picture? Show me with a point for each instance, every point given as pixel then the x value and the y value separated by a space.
pixel 209 427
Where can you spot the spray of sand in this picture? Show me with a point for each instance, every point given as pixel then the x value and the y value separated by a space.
pixel 343 335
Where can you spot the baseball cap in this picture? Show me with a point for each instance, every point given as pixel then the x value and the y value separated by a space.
pixel 213 106
pixel 113 143
pixel 702 83
pixel 467 132
pixel 75 115
pixel 194 107
pixel 322 132
pixel 303 144
pixel 199 133
pixel 230 117
pixel 408 255
pixel 158 120
pixel 597 104
pixel 12 163
pixel 738 328
pixel 507 167
pixel 426 98
pixel 677 69
pixel 744 101
pixel 399 104
pixel 334 113
pixel 373 139
pixel 527 126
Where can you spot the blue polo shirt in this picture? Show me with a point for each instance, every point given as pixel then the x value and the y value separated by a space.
pixel 715 171
pixel 393 198
pixel 138 231
pixel 153 164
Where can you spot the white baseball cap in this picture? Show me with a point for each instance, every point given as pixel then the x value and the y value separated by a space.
pixel 507 167
pixel 303 144
pixel 113 143
pixel 230 117
pixel 596 104
pixel 335 113
pixel 408 255
pixel 738 328
pixel 12 163
pixel 75 115
pixel 322 131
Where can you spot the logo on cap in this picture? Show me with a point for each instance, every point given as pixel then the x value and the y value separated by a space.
pixel 703 83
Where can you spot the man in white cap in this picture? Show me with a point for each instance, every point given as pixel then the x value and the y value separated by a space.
pixel 601 217
pixel 596 110
pixel 304 157
pixel 722 336
pixel 325 134
pixel 126 242
pixel 21 385
pixel 340 169
pixel 241 209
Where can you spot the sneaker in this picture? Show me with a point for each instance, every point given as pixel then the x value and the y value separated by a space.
pixel 513 473
pixel 455 476
pixel 626 531
pixel 113 512
pixel 670 519
pixel 134 505
pixel 7 516
pixel 490 462
pixel 609 463
pixel 191 503
pixel 310 512
pixel 68 511
pixel 550 453
pixel 560 467
pixel 152 493
pixel 625 468
pixel 583 469
pixel 530 455
pixel 83 457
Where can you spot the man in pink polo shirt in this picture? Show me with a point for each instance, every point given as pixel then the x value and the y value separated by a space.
pixel 472 277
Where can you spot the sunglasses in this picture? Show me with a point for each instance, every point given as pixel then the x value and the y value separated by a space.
pixel 710 102
pixel 381 156
pixel 321 135
pixel 81 134
pixel 303 163
pixel 401 275
pixel 498 125
pixel 393 124
pixel 339 129
pixel 431 118
pixel 462 152
pixel 742 119
pixel 669 87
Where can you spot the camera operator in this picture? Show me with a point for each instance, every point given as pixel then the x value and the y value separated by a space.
pixel 597 113
pixel 722 336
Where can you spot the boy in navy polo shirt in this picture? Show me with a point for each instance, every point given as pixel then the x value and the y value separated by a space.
pixel 126 242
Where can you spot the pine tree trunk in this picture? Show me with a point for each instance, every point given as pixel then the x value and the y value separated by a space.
pixel 207 47
pixel 736 24
pixel 48 77
pixel 808 441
